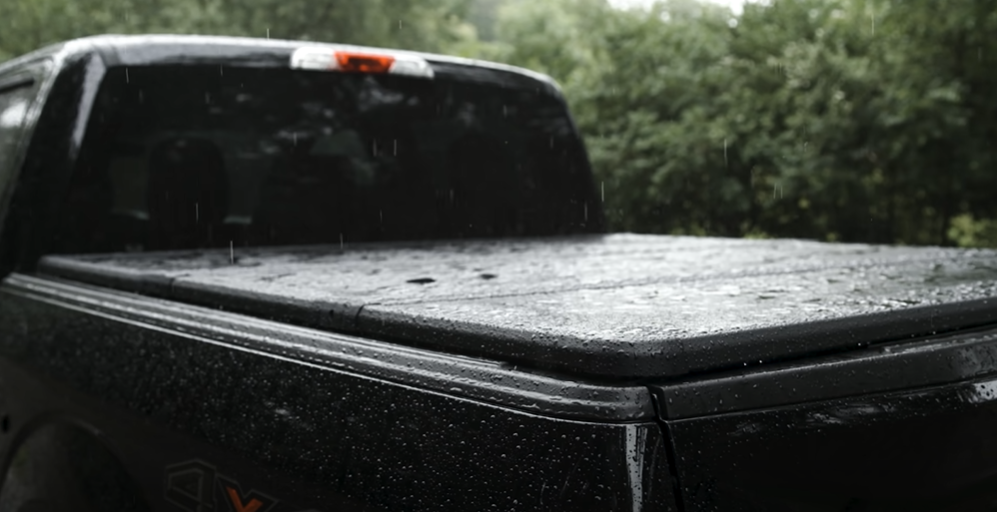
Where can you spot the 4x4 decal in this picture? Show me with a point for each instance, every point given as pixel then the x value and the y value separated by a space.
pixel 196 486
pixel 238 501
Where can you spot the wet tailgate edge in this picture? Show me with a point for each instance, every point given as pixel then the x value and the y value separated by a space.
pixel 453 375
pixel 936 360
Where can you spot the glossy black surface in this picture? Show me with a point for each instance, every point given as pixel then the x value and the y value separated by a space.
pixel 307 433
pixel 881 368
pixel 458 376
pixel 55 136
pixel 930 449
pixel 616 306
pixel 196 156
pixel 60 466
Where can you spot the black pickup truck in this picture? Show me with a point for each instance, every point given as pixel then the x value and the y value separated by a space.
pixel 270 276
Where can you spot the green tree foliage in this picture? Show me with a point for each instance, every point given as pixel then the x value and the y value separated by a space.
pixel 858 120
pixel 429 25
pixel 966 231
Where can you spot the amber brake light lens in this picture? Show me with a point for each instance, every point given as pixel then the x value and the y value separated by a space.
pixel 364 63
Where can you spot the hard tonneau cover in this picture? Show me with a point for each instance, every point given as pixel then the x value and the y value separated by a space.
pixel 620 307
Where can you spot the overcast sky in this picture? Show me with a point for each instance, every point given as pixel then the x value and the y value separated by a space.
pixel 735 5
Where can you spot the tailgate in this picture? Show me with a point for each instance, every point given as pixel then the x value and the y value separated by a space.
pixel 901 427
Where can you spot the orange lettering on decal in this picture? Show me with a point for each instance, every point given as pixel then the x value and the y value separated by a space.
pixel 253 505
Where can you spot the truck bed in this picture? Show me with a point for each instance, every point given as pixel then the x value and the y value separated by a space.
pixel 614 307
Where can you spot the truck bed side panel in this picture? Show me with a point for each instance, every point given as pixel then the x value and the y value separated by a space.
pixel 307 434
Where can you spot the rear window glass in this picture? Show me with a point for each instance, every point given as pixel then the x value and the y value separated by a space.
pixel 180 157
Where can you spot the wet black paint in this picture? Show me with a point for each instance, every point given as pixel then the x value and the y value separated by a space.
pixel 930 450
pixel 310 434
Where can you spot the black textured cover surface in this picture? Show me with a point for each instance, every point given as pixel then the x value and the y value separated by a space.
pixel 614 306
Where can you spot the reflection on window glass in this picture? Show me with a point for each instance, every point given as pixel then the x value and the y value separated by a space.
pixel 13 112
pixel 14 105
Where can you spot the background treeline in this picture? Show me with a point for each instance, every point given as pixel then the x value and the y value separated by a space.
pixel 851 120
